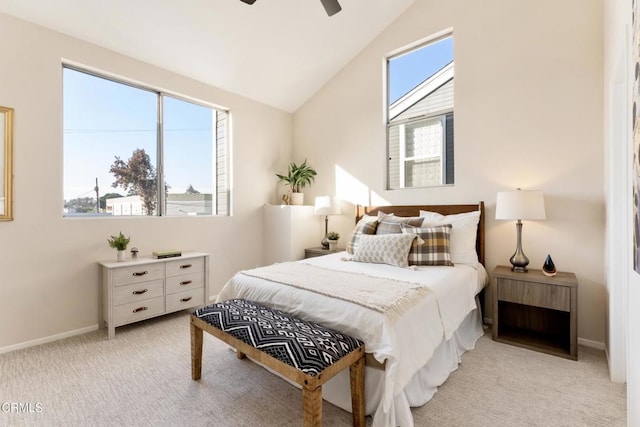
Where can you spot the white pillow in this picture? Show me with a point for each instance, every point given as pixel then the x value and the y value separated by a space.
pixel 463 233
pixel 392 249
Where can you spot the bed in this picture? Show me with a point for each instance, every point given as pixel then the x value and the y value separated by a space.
pixel 415 336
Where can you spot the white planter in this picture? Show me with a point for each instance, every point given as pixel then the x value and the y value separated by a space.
pixel 333 245
pixel 297 199
pixel 122 256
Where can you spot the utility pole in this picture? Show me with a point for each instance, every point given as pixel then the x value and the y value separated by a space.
pixel 97 196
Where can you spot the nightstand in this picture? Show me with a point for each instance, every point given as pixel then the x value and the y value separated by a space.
pixel 535 311
pixel 319 251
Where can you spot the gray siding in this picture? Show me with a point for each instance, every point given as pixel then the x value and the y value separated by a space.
pixel 222 163
pixel 440 100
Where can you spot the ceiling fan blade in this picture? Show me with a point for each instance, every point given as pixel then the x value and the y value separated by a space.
pixel 248 1
pixel 330 6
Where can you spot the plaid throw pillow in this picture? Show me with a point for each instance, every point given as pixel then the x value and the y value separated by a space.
pixel 389 249
pixel 367 225
pixel 436 247
pixel 390 224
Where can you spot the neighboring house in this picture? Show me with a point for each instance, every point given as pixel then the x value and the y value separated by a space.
pixel 421 133
pixel 177 205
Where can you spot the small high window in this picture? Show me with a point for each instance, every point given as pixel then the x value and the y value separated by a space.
pixel 420 116
pixel 130 150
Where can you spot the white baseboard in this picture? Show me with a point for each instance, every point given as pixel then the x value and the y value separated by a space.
pixel 590 343
pixel 45 340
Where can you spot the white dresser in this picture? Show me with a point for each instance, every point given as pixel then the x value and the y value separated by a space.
pixel 146 287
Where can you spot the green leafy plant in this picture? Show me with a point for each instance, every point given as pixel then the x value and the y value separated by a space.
pixel 119 242
pixel 332 235
pixel 298 176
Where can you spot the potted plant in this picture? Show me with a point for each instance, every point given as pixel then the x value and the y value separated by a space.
pixel 333 237
pixel 119 243
pixel 298 177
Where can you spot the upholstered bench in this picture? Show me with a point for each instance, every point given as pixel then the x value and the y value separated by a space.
pixel 304 352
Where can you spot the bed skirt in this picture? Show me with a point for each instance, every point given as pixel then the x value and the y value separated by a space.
pixel 422 386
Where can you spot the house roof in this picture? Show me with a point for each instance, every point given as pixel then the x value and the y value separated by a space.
pixel 419 92
pixel 278 52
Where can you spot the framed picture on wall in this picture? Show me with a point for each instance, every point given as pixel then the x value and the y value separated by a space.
pixel 636 134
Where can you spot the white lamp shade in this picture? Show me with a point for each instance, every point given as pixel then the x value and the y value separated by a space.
pixel 520 204
pixel 326 205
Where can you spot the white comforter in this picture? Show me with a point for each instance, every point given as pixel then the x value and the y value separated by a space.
pixel 405 344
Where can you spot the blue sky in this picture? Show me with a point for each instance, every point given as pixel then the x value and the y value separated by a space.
pixel 409 70
pixel 103 119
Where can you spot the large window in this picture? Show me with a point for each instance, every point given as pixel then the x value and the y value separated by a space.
pixel 420 116
pixel 130 150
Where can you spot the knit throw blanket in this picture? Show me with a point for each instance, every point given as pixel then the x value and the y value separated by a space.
pixel 390 297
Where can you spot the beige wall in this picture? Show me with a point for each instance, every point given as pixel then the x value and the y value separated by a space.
pixel 48 265
pixel 529 113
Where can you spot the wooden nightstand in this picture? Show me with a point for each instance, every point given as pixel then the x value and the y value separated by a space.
pixel 535 311
pixel 319 251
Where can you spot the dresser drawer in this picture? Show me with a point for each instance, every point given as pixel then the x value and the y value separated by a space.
pixel 184 282
pixel 186 299
pixel 138 273
pixel 184 266
pixel 535 294
pixel 137 310
pixel 138 291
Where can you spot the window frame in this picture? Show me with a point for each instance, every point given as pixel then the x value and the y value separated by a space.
pixel 407 49
pixel 160 177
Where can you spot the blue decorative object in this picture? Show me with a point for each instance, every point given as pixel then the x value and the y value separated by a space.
pixel 549 268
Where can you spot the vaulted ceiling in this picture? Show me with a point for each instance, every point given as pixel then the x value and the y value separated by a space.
pixel 279 52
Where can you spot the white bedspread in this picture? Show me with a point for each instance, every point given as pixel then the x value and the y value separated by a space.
pixel 408 343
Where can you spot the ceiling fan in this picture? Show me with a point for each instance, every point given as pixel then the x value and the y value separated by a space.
pixel 330 6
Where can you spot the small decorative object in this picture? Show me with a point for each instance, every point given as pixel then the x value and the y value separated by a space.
pixel 549 268
pixel 119 243
pixel 134 253
pixel 298 177
pixel 520 205
pixel 285 199
pixel 326 205
pixel 333 237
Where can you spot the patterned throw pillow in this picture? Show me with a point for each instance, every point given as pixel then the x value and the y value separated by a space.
pixel 463 233
pixel 436 247
pixel 366 225
pixel 392 249
pixel 390 224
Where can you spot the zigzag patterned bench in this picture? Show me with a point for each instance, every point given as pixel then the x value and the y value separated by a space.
pixel 304 352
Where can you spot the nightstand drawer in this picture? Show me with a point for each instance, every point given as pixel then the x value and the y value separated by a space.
pixel 535 294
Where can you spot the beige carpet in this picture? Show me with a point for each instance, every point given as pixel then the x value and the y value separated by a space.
pixel 143 377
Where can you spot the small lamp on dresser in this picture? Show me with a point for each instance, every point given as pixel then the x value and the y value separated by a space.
pixel 519 205
pixel 326 205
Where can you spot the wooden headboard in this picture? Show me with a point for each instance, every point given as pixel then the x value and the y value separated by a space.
pixel 442 209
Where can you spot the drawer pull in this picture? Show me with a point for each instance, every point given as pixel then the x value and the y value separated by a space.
pixel 186 266
pixel 186 282
pixel 139 309
pixel 141 273
pixel 186 299
pixel 140 292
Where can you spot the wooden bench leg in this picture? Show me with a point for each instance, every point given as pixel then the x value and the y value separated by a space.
pixel 196 352
pixel 240 355
pixel 356 373
pixel 312 407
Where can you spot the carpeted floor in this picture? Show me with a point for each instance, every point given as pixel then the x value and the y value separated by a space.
pixel 143 378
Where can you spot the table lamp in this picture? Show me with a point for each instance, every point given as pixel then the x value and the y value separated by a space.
pixel 326 205
pixel 519 205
